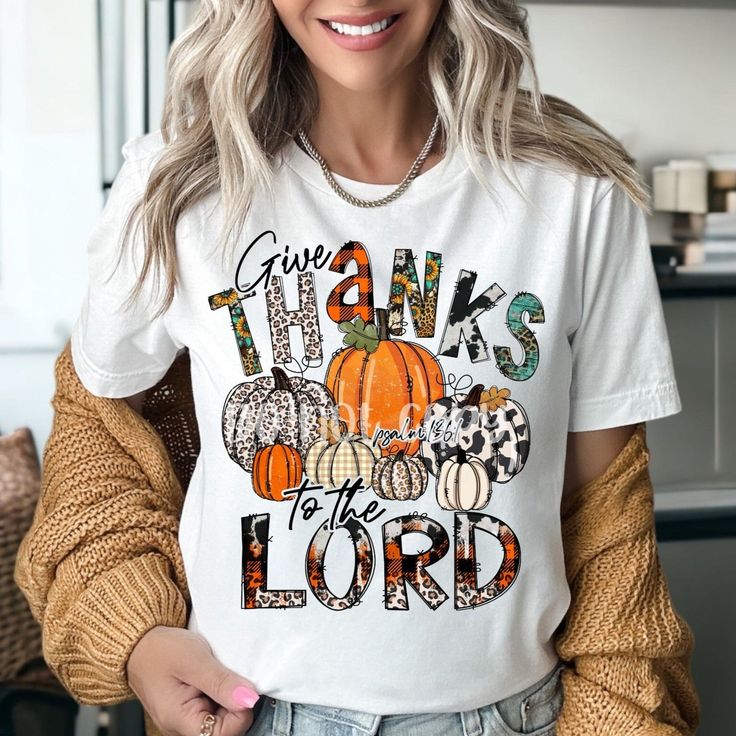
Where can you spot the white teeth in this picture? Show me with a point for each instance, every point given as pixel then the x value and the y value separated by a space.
pixel 361 30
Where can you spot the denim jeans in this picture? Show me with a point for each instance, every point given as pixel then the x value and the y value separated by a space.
pixel 534 711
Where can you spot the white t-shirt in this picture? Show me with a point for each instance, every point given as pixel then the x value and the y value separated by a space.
pixel 383 398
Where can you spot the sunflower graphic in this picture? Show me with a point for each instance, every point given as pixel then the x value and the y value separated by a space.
pixel 242 331
pixel 229 296
pixel 431 272
pixel 399 283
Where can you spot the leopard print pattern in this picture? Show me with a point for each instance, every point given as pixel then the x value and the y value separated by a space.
pixel 467 593
pixel 306 316
pixel 401 568
pixel 405 283
pixel 254 587
pixel 255 414
pixel 399 479
pixel 523 302
pixel 249 357
pixel 426 319
pixel 363 565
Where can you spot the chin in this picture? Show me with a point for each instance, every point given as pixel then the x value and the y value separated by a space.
pixel 359 80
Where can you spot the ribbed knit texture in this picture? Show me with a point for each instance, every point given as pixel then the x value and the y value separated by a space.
pixel 101 565
pixel 629 651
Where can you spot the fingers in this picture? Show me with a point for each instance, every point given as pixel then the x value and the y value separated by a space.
pixel 227 723
pixel 180 681
pixel 222 685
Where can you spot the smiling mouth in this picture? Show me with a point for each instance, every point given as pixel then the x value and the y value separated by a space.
pixel 370 29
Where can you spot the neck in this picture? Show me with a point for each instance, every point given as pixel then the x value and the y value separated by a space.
pixel 374 135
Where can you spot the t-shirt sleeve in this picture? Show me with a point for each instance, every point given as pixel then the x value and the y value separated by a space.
pixel 622 368
pixel 119 350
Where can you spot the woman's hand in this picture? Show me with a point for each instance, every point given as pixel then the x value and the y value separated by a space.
pixel 178 680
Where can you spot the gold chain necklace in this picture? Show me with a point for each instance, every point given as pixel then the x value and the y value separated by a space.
pixel 400 189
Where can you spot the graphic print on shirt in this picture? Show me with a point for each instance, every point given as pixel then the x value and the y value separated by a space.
pixel 385 420
pixel 405 286
pixel 381 383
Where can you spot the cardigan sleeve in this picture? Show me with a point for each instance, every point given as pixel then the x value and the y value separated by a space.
pixel 628 650
pixel 101 565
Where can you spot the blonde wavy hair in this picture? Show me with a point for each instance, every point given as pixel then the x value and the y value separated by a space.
pixel 240 88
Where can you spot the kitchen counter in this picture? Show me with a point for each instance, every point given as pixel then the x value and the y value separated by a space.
pixel 694 285
pixel 703 513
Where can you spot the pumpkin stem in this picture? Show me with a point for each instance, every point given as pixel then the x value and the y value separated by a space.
pixel 280 379
pixel 462 456
pixel 382 324
pixel 399 456
pixel 336 436
pixel 473 397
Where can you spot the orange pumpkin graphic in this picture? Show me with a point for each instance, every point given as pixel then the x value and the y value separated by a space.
pixel 276 468
pixel 381 382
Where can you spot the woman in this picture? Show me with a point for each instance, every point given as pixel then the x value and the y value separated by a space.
pixel 371 535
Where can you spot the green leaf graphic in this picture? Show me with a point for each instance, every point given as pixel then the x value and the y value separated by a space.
pixel 360 334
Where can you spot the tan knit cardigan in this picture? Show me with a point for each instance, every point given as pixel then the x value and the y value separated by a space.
pixel 101 565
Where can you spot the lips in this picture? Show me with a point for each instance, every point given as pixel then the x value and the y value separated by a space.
pixel 362 20
pixel 359 41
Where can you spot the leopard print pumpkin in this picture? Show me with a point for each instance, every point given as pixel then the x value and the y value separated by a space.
pixel 399 477
pixel 273 409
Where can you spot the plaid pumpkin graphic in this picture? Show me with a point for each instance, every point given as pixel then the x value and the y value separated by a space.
pixel 339 455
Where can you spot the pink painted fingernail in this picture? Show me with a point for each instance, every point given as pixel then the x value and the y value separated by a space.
pixel 245 697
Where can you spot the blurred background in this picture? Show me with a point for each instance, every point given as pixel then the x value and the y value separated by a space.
pixel 78 79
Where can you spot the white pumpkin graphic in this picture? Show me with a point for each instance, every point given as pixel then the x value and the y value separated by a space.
pixel 463 483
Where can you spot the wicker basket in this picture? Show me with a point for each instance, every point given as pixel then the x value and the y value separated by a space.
pixel 19 488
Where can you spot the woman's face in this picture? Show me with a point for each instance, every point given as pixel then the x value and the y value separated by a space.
pixel 347 51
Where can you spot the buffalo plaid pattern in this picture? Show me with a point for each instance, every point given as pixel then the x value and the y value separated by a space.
pixel 337 309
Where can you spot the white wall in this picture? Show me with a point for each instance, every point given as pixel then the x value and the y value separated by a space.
pixel 49 193
pixel 660 79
